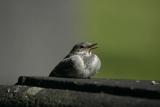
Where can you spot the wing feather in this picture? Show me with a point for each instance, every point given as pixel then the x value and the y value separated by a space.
pixel 68 67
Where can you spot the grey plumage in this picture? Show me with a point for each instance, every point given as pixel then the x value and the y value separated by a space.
pixel 79 63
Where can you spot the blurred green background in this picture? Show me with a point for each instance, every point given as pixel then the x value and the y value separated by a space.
pixel 128 35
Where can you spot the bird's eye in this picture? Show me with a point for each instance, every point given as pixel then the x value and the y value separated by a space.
pixel 81 46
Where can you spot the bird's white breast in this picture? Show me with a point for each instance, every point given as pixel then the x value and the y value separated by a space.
pixel 85 65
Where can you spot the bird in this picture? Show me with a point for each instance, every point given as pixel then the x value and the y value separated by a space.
pixel 79 63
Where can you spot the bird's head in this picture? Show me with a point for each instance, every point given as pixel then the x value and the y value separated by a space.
pixel 84 47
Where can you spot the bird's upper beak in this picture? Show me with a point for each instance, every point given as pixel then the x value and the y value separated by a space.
pixel 92 46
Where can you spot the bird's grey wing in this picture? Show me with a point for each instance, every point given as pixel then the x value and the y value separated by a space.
pixel 62 68
pixel 68 67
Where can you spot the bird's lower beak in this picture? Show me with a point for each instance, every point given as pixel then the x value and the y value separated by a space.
pixel 93 46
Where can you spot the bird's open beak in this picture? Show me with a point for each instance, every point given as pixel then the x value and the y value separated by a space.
pixel 92 46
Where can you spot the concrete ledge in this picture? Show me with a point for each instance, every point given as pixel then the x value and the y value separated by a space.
pixel 25 96
pixel 68 92
pixel 144 89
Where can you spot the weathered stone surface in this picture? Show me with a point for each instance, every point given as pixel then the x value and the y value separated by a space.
pixel 69 92
pixel 25 96
pixel 144 89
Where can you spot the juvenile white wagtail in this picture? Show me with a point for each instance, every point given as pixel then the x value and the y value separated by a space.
pixel 79 63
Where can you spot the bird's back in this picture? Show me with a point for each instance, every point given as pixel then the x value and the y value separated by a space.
pixel 69 67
